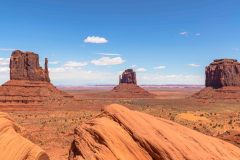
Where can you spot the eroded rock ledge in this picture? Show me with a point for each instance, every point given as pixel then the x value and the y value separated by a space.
pixel 119 133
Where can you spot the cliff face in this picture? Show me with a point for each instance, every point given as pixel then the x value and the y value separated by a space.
pixel 222 73
pixel 25 66
pixel 128 76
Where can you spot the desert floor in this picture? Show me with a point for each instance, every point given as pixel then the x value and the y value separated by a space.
pixel 52 127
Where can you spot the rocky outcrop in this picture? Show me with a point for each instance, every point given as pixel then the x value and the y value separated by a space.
pixel 25 66
pixel 119 133
pixel 128 76
pixel 223 72
pixel 15 147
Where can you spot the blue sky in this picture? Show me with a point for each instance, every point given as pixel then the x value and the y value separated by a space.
pixel 92 41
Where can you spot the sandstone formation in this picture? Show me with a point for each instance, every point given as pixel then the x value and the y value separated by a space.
pixel 25 66
pixel 119 133
pixel 29 83
pixel 128 76
pixel 128 87
pixel 13 146
pixel 223 72
pixel 222 80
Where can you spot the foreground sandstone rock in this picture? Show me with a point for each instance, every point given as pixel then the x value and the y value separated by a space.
pixel 119 133
pixel 222 80
pixel 128 87
pixel 29 83
pixel 13 146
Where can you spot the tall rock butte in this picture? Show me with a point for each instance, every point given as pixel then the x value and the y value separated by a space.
pixel 128 87
pixel 25 66
pixel 223 72
pixel 128 76
pixel 222 80
pixel 29 83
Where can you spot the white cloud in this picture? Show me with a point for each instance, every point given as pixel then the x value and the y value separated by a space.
pixel 54 62
pixel 160 67
pixel 7 49
pixel 183 33
pixel 75 76
pixel 75 64
pixel 194 65
pixel 141 70
pixel 133 66
pixel 95 39
pixel 197 34
pixel 4 61
pixel 108 61
pixel 109 54
pixel 4 69
pixel 155 78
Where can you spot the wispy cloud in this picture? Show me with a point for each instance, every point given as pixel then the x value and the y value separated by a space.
pixel 141 70
pixel 160 67
pixel 54 62
pixel 194 65
pixel 95 39
pixel 133 66
pixel 7 49
pixel 183 33
pixel 109 54
pixel 108 61
pixel 236 49
pixel 197 34
pixel 75 64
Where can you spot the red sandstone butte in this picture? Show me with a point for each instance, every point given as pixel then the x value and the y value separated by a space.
pixel 128 76
pixel 222 80
pixel 25 66
pixel 128 87
pixel 29 83
pixel 223 72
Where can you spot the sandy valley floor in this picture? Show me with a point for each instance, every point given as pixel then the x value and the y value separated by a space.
pixel 52 127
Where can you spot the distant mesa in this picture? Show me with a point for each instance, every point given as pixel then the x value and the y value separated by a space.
pixel 29 83
pixel 120 133
pixel 222 80
pixel 128 87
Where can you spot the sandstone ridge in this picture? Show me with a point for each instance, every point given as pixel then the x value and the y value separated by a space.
pixel 119 133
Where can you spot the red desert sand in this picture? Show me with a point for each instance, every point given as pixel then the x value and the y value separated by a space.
pixel 120 133
pixel 13 146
